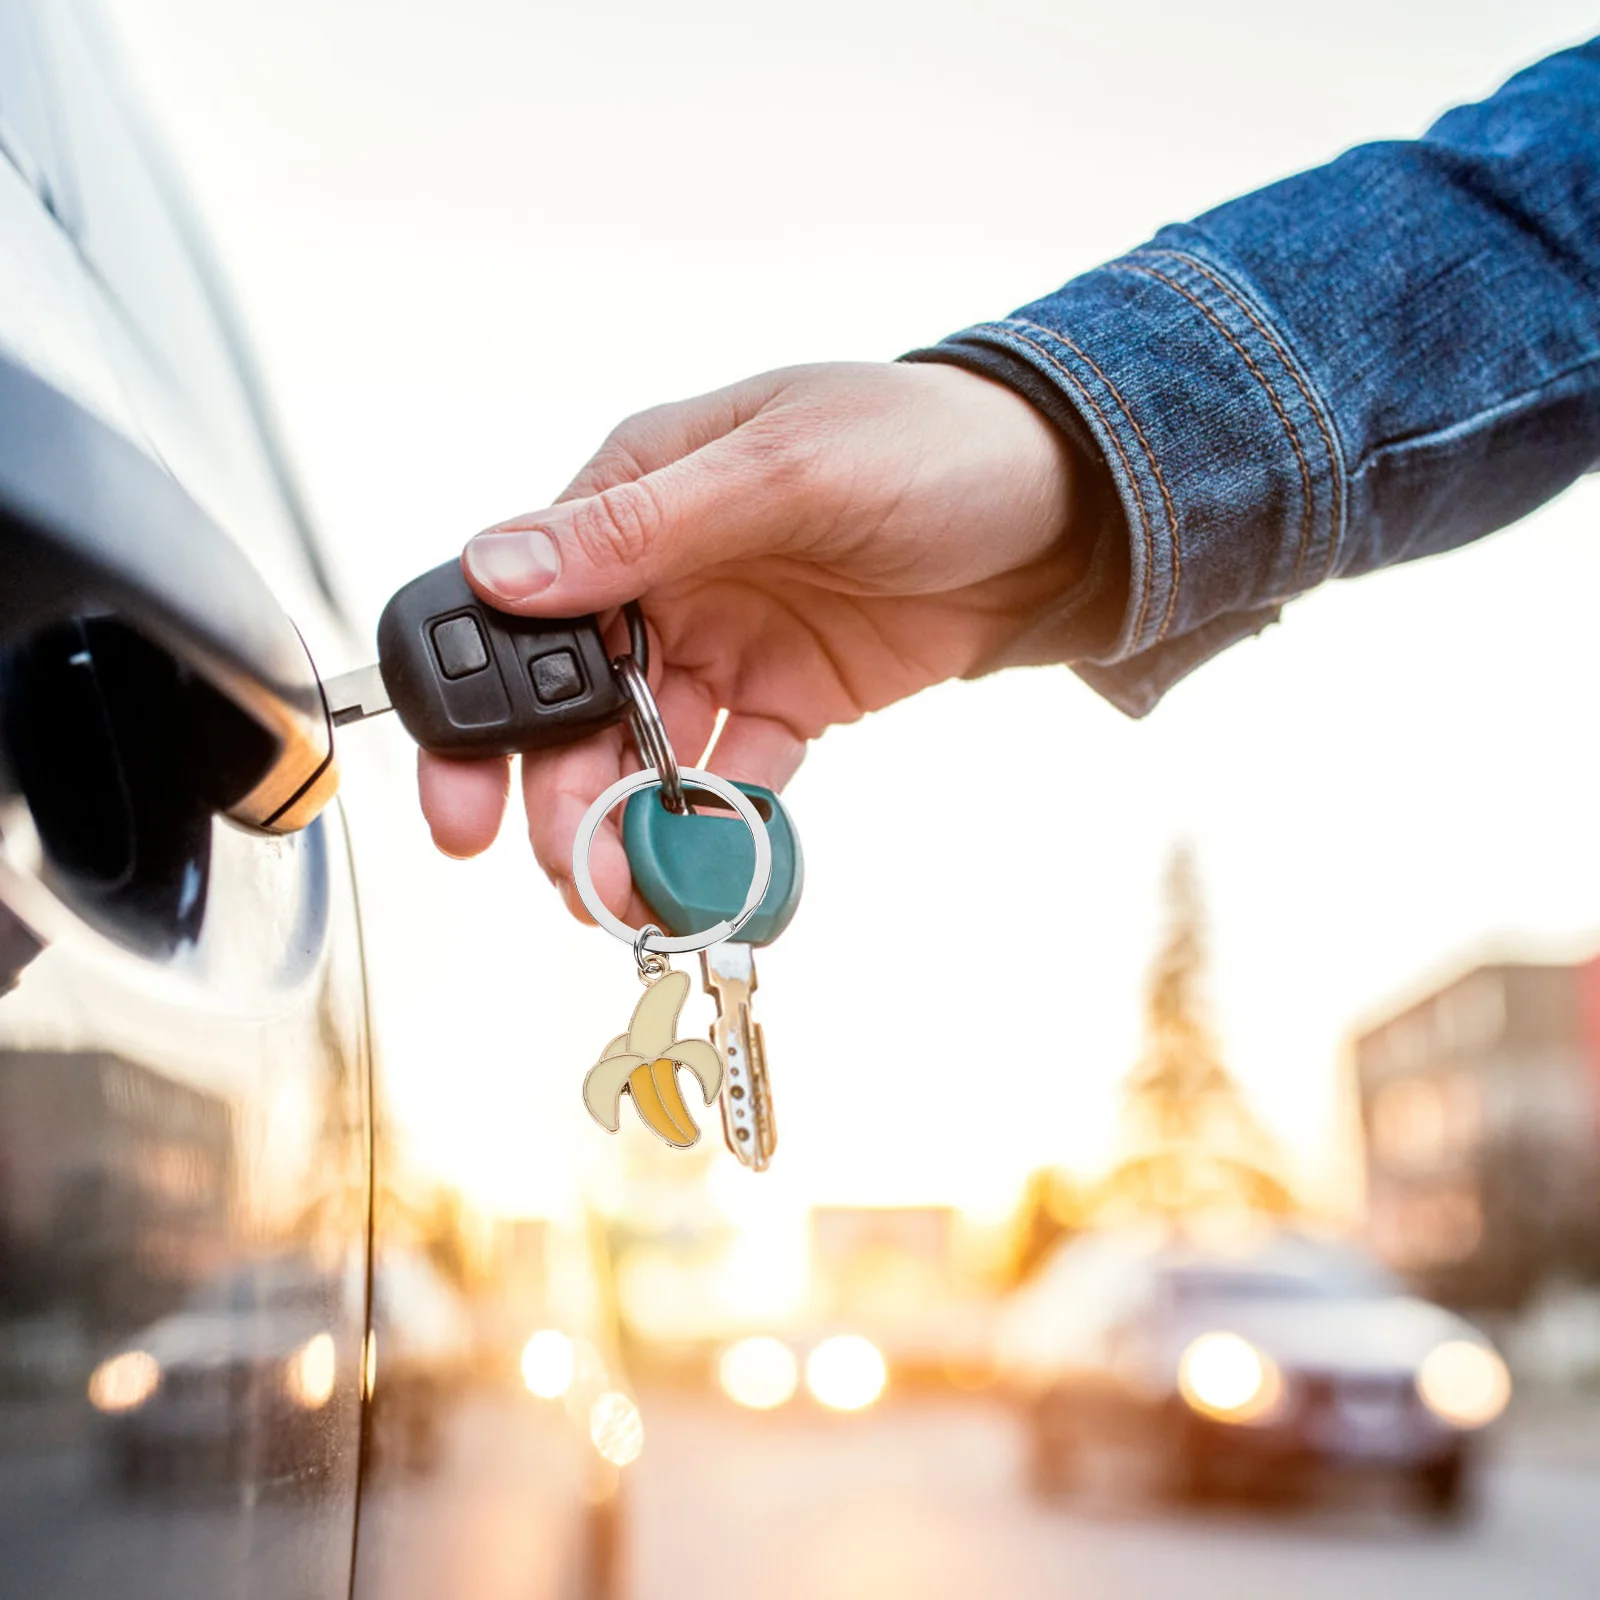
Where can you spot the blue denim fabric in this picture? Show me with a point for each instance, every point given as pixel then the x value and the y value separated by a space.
pixel 1382 358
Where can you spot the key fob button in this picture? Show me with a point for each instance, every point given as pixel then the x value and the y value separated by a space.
pixel 458 645
pixel 556 677
pixel 469 681
pixel 475 701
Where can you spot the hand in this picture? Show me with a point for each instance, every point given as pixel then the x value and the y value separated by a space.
pixel 807 546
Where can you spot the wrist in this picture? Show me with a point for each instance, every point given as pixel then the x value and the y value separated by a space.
pixel 1073 592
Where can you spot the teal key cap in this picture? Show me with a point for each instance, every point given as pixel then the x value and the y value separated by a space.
pixel 694 870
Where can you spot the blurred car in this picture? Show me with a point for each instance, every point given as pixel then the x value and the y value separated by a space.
pixel 240 1380
pixel 1258 1366
pixel 188 1085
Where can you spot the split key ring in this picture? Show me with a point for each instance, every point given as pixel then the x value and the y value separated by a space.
pixel 642 939
pixel 650 732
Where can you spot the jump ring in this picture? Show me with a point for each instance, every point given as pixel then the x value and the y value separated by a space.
pixel 657 943
pixel 638 635
pixel 650 732
pixel 651 966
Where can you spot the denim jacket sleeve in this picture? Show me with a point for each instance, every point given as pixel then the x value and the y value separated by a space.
pixel 1382 358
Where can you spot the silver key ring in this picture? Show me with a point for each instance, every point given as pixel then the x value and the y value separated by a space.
pixel 650 732
pixel 650 966
pixel 641 938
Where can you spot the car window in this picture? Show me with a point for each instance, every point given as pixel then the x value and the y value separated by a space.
pixel 260 1286
pixel 1329 1276
pixel 1193 1286
pixel 168 325
pixel 27 139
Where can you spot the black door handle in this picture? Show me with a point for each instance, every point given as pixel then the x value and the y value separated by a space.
pixel 90 526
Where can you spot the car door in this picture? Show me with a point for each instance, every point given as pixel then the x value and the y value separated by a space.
pixel 184 1075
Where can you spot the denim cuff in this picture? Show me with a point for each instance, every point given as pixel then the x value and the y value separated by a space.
pixel 1224 457
pixel 1086 620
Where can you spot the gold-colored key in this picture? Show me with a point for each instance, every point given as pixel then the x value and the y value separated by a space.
pixel 729 969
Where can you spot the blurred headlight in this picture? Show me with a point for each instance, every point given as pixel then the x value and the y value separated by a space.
pixel 846 1373
pixel 549 1364
pixel 310 1372
pixel 1223 1376
pixel 124 1382
pixel 760 1373
pixel 1464 1383
pixel 616 1428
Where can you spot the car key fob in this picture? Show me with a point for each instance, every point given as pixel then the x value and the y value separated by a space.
pixel 467 680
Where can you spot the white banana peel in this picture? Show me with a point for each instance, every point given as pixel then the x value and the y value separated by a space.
pixel 644 1061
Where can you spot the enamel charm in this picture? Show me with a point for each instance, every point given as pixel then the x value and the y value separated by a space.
pixel 644 1062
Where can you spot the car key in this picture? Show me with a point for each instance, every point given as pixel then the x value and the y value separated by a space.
pixel 467 680
pixel 749 1128
pixel 644 1062
pixel 691 870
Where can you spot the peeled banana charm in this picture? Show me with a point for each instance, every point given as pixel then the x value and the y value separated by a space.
pixel 644 1062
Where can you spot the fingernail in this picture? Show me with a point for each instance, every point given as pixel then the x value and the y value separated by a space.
pixel 514 562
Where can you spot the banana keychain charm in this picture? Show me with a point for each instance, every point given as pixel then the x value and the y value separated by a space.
pixel 644 1062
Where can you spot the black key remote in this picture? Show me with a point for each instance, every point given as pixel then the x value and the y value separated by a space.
pixel 467 680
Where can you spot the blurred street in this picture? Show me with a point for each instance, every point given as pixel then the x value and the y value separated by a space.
pixel 919 1497
pixel 927 1499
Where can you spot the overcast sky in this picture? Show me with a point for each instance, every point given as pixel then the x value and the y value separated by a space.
pixel 470 237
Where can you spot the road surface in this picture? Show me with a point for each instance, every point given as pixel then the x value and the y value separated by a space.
pixel 920 1499
pixel 926 1500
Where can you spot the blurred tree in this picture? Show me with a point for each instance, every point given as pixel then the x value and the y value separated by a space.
pixel 446 1238
pixel 1192 1144
pixel 1051 1209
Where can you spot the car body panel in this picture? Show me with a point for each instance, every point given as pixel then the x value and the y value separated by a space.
pixel 192 1108
pixel 166 1117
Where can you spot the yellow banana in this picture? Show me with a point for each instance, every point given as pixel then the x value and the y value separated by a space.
pixel 655 1092
pixel 645 1062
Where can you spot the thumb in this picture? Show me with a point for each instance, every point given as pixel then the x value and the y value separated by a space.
pixel 721 503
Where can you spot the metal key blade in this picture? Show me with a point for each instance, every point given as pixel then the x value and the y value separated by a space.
pixel 747 1121
pixel 355 696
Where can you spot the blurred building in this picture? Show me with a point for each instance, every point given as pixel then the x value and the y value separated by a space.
pixel 1480 1112
pixel 849 1242
pixel 113 1178
pixel 919 1281
pixel 514 1297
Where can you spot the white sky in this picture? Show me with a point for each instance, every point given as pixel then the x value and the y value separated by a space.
pixel 471 236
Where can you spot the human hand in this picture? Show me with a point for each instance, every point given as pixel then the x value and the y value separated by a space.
pixel 807 545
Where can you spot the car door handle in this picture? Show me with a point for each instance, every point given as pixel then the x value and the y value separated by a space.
pixel 91 526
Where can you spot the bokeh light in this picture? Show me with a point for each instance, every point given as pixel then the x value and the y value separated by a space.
pixel 310 1374
pixel 616 1428
pixel 548 1364
pixel 846 1372
pixel 1225 1376
pixel 124 1382
pixel 759 1372
pixel 1464 1383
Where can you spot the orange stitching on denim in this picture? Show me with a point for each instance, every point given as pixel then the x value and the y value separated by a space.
pixel 1127 466
pixel 1261 378
pixel 1316 410
pixel 1150 456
